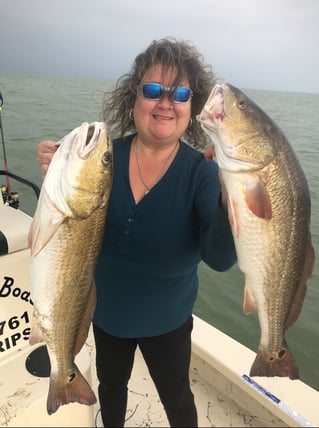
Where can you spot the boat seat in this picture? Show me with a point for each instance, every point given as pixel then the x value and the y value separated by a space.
pixel 14 229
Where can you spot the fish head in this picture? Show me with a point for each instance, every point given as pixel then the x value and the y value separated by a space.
pixel 80 174
pixel 245 137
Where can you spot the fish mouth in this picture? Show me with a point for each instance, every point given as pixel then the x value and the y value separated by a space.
pixel 91 132
pixel 90 138
pixel 213 110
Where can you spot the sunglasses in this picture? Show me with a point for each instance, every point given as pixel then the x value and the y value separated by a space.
pixel 155 91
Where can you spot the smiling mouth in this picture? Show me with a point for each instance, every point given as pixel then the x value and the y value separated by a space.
pixel 159 117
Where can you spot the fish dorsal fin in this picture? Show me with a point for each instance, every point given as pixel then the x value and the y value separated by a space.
pixel 299 296
pixel 249 304
pixel 258 200
pixel 86 320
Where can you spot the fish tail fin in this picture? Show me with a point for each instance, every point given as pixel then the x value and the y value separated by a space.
pixel 279 363
pixel 75 389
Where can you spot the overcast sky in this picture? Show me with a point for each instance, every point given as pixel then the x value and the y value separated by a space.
pixel 262 44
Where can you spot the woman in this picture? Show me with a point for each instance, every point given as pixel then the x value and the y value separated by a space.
pixel 166 213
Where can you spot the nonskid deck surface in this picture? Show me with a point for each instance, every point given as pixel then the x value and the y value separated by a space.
pixel 222 400
pixel 215 407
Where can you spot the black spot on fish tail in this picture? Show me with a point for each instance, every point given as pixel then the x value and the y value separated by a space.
pixel 72 377
pixel 280 363
pixel 73 389
pixel 281 353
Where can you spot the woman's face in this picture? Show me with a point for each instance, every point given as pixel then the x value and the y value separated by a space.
pixel 161 120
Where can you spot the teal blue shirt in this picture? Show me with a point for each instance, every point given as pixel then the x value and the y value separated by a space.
pixel 146 275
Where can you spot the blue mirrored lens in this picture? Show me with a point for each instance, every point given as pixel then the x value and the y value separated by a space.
pixel 154 91
pixel 182 95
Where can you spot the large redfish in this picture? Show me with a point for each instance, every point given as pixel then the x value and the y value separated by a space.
pixel 269 211
pixel 65 239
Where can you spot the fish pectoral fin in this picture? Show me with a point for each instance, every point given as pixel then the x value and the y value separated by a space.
pixel 249 304
pixel 258 200
pixel 42 231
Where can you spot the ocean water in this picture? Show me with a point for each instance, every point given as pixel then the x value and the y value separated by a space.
pixel 38 108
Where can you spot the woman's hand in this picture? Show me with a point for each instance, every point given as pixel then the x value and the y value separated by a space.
pixel 45 152
pixel 209 154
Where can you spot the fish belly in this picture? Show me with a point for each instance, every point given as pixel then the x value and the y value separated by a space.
pixel 63 293
pixel 272 265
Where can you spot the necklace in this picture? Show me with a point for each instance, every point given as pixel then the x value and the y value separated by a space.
pixel 147 187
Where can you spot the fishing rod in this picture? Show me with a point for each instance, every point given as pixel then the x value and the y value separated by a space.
pixel 22 180
pixel 8 197
pixel 6 166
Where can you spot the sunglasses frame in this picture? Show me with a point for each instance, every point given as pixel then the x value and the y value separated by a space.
pixel 171 92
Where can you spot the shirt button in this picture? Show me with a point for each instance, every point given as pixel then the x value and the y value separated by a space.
pixel 127 231
pixel 130 219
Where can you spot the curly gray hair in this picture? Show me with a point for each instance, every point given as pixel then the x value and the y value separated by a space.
pixel 170 53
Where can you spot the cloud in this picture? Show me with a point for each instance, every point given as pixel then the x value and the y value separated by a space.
pixel 266 43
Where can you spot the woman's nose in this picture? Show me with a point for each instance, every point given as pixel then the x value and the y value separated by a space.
pixel 166 100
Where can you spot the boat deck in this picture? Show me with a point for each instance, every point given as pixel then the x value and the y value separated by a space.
pixel 218 405
pixel 219 365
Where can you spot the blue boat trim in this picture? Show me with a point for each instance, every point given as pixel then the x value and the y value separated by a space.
pixel 288 410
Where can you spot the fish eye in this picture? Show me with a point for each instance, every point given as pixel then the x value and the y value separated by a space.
pixel 106 158
pixel 242 104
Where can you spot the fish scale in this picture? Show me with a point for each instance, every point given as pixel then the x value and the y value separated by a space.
pixel 65 238
pixel 269 208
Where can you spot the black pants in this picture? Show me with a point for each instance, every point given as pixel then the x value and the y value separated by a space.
pixel 168 360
